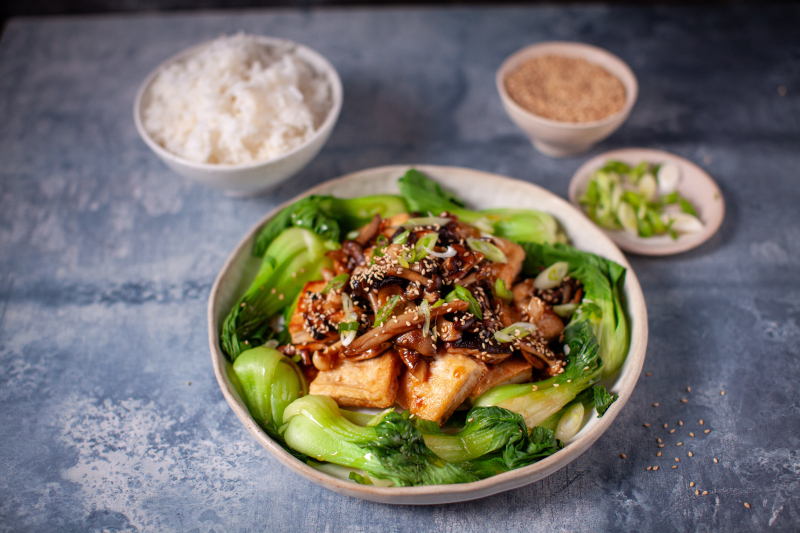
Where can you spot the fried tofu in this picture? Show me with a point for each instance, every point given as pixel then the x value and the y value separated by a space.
pixel 297 323
pixel 369 383
pixel 451 378
pixel 512 370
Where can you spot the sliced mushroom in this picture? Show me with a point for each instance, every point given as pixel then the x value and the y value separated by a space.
pixel 447 330
pixel 536 352
pixel 413 340
pixel 369 354
pixel 368 232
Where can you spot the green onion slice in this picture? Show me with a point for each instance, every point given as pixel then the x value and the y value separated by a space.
pixel 438 303
pixel 460 293
pixel 501 291
pixel 552 276
pixel 425 222
pixel 425 311
pixel 489 250
pixel 515 331
pixel 402 238
pixel 336 283
pixel 565 310
pixel 425 245
pixel 386 311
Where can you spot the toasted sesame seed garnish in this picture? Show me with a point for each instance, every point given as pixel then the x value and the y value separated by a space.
pixel 661 445
pixel 658 454
pixel 707 431
pixel 647 374
pixel 715 460
pixel 537 388
pixel 684 400
pixel 655 404
pixel 658 440
pixel 294 274
pixel 691 484
pixel 646 425
pixel 747 505
pixel 677 460
pixel 555 384
pixel 674 466
pixel 280 296
pixel 649 467
pixel 697 492
pixel 691 434
pixel 701 422
pixel 671 431
pixel 666 426
pixel 722 393
pixel 705 493
pixel 273 291
pixel 691 454
pixel 680 422
pixel 655 468
pixel 679 444
pixel 623 456
pixel 688 389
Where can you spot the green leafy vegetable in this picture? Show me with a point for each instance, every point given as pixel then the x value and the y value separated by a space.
pixel 602 400
pixel 295 257
pixel 328 216
pixel 602 306
pixel 501 291
pixel 385 311
pixel 425 195
pixel 463 294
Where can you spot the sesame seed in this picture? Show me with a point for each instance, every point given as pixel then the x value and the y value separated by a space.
pixel 658 440
pixel 705 493
pixel 722 393
pixel 655 405
pixel 680 422
pixel 408 323
pixel 691 454
pixel 280 296
pixel 649 467
pixel 679 444
pixel 691 434
pixel 302 270
pixel 647 374
pixel 684 400
pixel 691 484
pixel 555 384
pixel 671 431
pixel 242 304
pixel 688 389
pixel 674 466
pixel 658 454
pixel 715 460
pixel 537 388
pixel 661 445
pixel 655 468
pixel 701 422
pixel 697 492
pixel 188 382
pixel 294 274
pixel 747 505
pixel 677 460
pixel 707 431
pixel 623 456
pixel 665 426
pixel 645 424
pixel 273 291
pixel 470 420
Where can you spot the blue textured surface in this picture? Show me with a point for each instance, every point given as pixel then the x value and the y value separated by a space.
pixel 107 257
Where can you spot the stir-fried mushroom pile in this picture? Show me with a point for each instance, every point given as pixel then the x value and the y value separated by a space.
pixel 434 305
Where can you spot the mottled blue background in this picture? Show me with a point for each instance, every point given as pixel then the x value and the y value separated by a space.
pixel 107 258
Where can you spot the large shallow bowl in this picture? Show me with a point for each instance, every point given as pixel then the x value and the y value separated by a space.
pixel 480 190
pixel 247 178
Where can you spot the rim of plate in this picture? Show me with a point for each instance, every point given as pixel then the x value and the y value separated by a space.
pixel 708 199
pixel 623 385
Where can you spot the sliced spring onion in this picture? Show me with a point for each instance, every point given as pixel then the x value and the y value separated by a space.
pixel 565 310
pixel 386 311
pixel 627 217
pixel 489 250
pixel 648 187
pixel 347 332
pixel 450 252
pixel 382 241
pixel 484 224
pixel 402 238
pixel 347 303
pixel 668 177
pixel 570 422
pixel 425 311
pixel 424 245
pixel 272 343
pixel 438 303
pixel 685 223
pixel 336 283
pixel 426 221
pixel 515 331
pixel 460 293
pixel 501 291
pixel 406 257
pixel 687 207
pixel 552 276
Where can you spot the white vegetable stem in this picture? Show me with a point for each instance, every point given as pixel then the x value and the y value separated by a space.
pixel 668 177
pixel 570 422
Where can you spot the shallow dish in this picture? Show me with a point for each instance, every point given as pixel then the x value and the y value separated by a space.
pixel 562 139
pixel 481 190
pixel 249 178
pixel 695 185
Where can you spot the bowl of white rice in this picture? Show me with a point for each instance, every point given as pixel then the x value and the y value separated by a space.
pixel 241 113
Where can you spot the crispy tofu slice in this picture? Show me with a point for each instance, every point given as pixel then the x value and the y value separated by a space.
pixel 368 383
pixel 512 370
pixel 297 323
pixel 451 378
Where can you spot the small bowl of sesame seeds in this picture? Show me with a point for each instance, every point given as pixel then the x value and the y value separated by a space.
pixel 566 96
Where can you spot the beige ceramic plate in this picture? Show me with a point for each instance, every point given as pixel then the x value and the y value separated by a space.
pixel 695 185
pixel 480 190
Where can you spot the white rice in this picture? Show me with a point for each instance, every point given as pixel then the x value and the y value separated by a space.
pixel 236 101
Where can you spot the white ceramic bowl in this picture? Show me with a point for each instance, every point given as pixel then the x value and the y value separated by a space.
pixel 562 139
pixel 480 190
pixel 250 178
pixel 695 185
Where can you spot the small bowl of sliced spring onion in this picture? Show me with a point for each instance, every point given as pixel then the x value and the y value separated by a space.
pixel 648 201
